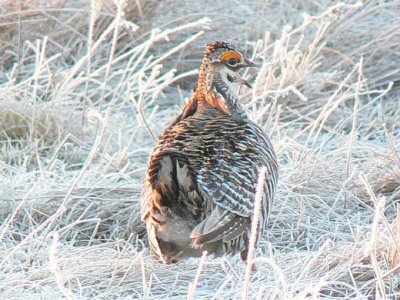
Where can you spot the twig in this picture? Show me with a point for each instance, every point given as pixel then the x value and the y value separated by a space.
pixel 92 20
pixel 192 286
pixel 254 230
pixel 379 209
pixel 354 126
pixel 53 266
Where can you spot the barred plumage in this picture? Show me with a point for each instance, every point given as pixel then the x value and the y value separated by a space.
pixel 201 181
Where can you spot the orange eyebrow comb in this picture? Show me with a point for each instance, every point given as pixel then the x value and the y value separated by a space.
pixel 229 55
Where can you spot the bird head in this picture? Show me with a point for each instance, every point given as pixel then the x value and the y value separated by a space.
pixel 219 77
pixel 224 59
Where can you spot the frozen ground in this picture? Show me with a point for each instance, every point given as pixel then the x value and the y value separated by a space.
pixel 84 87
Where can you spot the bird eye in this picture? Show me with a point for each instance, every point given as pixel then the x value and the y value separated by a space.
pixel 232 61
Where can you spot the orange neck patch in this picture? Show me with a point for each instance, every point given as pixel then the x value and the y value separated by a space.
pixel 215 100
pixel 229 55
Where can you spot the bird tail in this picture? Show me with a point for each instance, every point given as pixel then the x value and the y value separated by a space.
pixel 219 225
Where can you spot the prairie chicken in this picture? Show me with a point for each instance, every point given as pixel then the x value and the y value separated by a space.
pixel 202 176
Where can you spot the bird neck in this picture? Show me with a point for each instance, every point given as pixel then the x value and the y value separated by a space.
pixel 215 90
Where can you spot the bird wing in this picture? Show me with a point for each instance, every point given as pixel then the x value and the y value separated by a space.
pixel 170 204
pixel 229 180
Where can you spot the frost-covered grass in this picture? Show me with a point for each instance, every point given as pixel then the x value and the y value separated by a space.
pixel 85 88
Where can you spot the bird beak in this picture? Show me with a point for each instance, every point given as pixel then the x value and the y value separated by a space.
pixel 249 64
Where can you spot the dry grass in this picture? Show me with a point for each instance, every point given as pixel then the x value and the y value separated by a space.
pixel 86 85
